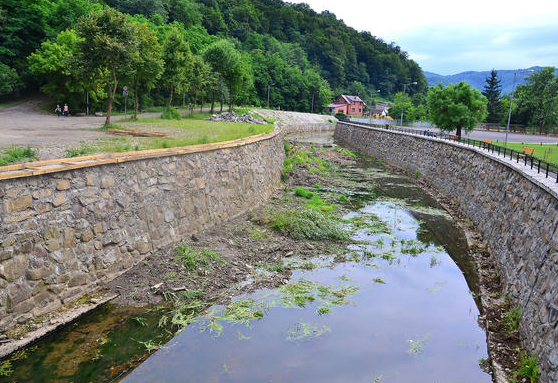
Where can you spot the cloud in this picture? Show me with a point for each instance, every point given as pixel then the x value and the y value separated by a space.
pixel 451 37
pixel 449 50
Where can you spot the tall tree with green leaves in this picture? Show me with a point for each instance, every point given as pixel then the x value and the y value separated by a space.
pixel 456 106
pixel 493 91
pixel 109 45
pixel 228 62
pixel 178 62
pixel 147 64
pixel 201 73
pixel 56 65
pixel 537 100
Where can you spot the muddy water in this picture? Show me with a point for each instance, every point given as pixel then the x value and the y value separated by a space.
pixel 397 306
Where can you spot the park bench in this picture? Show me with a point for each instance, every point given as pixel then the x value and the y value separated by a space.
pixel 486 144
pixel 527 150
pixel 453 137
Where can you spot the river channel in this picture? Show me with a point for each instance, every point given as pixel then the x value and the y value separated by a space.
pixel 399 305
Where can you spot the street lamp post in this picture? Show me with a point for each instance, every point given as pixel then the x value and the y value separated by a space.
pixel 403 106
pixel 511 102
pixel 268 89
pixel 370 112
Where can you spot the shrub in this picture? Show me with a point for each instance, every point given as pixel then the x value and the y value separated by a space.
pixel 171 114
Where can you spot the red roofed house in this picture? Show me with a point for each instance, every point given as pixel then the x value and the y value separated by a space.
pixel 350 105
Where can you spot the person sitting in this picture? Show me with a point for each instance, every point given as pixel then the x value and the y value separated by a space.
pixel 66 110
pixel 58 110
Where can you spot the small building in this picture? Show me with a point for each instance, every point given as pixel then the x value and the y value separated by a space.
pixel 350 105
pixel 381 109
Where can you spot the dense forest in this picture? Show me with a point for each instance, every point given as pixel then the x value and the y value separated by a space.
pixel 245 51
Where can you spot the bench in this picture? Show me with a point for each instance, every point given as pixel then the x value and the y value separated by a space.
pixel 456 138
pixel 527 150
pixel 486 144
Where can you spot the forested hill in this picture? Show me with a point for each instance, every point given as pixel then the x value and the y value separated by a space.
pixel 289 49
pixel 478 79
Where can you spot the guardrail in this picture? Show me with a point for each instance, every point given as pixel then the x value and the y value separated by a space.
pixel 547 168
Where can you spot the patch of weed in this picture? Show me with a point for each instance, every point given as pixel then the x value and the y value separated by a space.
pixel 17 153
pixel 527 368
pixel 271 267
pixel 171 114
pixel 511 319
pixel 194 259
pixel 307 224
pixel 379 281
pixel 306 331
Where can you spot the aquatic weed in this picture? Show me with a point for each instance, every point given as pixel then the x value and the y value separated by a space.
pixel 307 224
pixel 194 259
pixel 306 331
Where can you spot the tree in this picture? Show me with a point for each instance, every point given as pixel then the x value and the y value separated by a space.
pixel 537 100
pixel 229 63
pixel 9 80
pixel 148 64
pixel 178 62
pixel 492 91
pixel 402 104
pixel 456 106
pixel 108 46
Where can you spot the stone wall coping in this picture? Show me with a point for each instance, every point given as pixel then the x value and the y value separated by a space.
pixel 30 169
pixel 547 184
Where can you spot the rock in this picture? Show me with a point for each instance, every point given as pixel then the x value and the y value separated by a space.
pixel 289 254
pixel 157 286
pixel 195 238
pixel 233 117
pixel 181 288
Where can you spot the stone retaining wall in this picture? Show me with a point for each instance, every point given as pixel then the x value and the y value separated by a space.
pixel 516 215
pixel 64 233
pixel 327 127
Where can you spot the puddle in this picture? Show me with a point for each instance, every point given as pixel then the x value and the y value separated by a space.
pixel 398 306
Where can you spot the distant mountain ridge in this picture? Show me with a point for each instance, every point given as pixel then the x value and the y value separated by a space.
pixel 477 79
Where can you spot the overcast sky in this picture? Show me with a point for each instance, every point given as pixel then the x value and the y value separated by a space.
pixel 448 37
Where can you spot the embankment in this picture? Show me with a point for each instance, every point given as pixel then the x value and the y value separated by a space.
pixel 67 226
pixel 516 214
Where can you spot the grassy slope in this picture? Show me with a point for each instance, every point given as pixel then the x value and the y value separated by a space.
pixel 550 149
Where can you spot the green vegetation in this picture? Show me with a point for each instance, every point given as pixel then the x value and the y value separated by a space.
pixel 511 318
pixel 184 132
pixel 306 331
pixel 224 51
pixel 296 157
pixel 527 368
pixel 307 223
pixel 17 153
pixel 171 114
pixel 456 106
pixel 195 259
pixel 547 152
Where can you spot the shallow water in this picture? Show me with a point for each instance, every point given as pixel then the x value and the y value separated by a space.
pixel 393 308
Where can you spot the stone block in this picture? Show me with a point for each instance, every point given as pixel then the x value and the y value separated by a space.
pixel 19 204
pixel 79 279
pixel 42 193
pixel 143 247
pixel 106 183
pixel 14 268
pixel 9 242
pixel 62 185
pixel 89 181
pixel 87 236
pixel 59 199
pixel 19 292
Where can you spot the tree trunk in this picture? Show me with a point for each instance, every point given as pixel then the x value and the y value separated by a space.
pixel 231 98
pixel 458 133
pixel 221 111
pixel 169 102
pixel 135 98
pixel 212 103
pixel 201 104
pixel 112 93
pixel 194 103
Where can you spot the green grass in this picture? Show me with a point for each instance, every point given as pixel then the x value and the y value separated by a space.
pixel 527 368
pixel 511 319
pixel 307 224
pixel 17 153
pixel 547 152
pixel 194 259
pixel 184 132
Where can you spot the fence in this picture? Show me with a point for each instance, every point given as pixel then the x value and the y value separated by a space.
pixel 547 168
